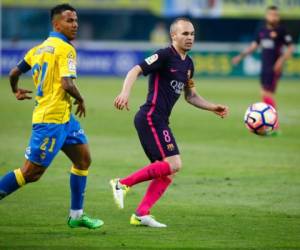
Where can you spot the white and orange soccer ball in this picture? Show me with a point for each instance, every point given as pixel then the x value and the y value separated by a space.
pixel 261 118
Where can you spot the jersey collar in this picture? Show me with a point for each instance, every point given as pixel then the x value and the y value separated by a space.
pixel 177 54
pixel 59 35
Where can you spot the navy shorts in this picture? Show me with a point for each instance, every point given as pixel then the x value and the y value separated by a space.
pixel 48 138
pixel 269 81
pixel 156 137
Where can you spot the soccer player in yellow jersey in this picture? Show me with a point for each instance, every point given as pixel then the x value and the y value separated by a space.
pixel 53 67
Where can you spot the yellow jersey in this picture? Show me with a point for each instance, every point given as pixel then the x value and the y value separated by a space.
pixel 49 62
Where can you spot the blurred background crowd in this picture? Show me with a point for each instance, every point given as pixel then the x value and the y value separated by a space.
pixel 137 27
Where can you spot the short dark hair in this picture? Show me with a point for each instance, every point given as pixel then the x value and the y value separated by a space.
pixel 58 9
pixel 178 19
pixel 272 7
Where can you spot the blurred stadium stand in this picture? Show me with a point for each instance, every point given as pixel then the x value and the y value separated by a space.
pixel 113 31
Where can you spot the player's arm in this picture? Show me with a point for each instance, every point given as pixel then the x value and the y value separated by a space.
pixel 70 87
pixel 150 64
pixel 193 98
pixel 14 74
pixel 249 50
pixel 121 100
pixel 67 72
pixel 285 56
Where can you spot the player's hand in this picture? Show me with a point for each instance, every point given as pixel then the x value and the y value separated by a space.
pixel 80 111
pixel 22 94
pixel 236 60
pixel 221 110
pixel 121 101
pixel 278 66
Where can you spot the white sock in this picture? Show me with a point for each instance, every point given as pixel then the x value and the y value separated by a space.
pixel 75 214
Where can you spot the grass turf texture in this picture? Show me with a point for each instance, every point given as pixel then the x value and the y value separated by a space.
pixel 236 190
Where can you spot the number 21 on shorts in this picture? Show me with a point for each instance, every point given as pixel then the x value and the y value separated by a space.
pixel 46 143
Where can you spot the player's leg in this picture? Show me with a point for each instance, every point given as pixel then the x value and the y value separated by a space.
pixel 269 82
pixel 13 180
pixel 155 170
pixel 80 157
pixel 152 171
pixel 44 144
pixel 158 186
pixel 150 138
pixel 77 150
pixel 158 143
pixel 268 97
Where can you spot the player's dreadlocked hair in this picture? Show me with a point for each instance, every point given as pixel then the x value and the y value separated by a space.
pixel 58 9
pixel 272 7
pixel 173 24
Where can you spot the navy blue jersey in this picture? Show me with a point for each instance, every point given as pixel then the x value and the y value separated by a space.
pixel 169 75
pixel 271 42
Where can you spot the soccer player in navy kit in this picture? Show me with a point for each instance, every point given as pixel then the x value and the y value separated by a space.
pixel 271 38
pixel 171 71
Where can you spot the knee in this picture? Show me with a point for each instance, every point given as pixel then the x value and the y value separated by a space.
pixel 176 165
pixel 85 162
pixel 31 176
pixel 267 93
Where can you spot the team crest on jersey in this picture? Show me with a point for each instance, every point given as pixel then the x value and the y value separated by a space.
pixel 273 34
pixel 151 59
pixel 70 55
pixel 170 147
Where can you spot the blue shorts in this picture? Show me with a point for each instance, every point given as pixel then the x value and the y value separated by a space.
pixel 156 137
pixel 48 138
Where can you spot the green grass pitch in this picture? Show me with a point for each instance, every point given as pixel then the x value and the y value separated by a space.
pixel 236 190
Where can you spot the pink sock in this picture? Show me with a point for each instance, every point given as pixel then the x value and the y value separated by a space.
pixel 153 171
pixel 269 100
pixel 155 190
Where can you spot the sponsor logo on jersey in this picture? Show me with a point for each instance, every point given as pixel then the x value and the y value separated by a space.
pixel 170 147
pixel 151 59
pixel 267 43
pixel 177 86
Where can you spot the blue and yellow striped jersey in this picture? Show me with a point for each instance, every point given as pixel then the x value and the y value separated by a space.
pixel 49 62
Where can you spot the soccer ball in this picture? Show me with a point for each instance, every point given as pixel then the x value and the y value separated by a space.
pixel 261 118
